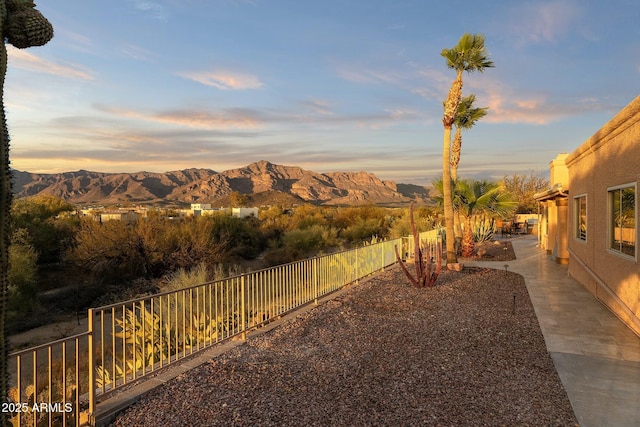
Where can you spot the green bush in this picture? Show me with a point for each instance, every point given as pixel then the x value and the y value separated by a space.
pixel 49 223
pixel 364 228
pixel 314 238
pixel 23 273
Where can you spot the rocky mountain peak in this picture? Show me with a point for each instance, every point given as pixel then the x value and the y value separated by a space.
pixel 206 185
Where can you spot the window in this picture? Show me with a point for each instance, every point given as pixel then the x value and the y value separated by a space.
pixel 622 219
pixel 580 218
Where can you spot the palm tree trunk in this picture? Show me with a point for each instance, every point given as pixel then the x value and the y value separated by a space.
pixel 467 240
pixel 456 148
pixel 450 110
pixel 447 196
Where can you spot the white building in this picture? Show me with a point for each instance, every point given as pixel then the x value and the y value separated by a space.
pixel 244 212
pixel 198 209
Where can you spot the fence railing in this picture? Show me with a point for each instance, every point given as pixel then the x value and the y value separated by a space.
pixel 62 382
pixel 48 383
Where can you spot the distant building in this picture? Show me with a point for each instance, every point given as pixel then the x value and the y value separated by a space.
pixel 244 212
pixel 126 216
pixel 200 206
pixel 202 209
pixel 590 216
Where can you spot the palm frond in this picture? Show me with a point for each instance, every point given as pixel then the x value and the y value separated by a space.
pixel 470 54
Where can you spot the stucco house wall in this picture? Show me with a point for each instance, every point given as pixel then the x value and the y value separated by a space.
pixel 607 160
pixel 553 205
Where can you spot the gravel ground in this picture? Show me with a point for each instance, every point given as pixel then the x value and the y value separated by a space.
pixel 383 353
pixel 493 250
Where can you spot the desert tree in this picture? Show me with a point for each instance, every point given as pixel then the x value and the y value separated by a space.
pixel 469 55
pixel 523 187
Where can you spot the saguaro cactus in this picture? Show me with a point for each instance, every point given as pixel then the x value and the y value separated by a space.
pixel 22 26
pixel 425 277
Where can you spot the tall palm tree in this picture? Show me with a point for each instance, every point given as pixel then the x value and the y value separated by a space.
pixel 470 54
pixel 481 197
pixel 466 117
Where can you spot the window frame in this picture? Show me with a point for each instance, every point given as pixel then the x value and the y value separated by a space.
pixel 611 191
pixel 577 235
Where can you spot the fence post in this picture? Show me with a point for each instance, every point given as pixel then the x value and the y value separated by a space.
pixel 314 278
pixel 91 362
pixel 243 306
pixel 357 265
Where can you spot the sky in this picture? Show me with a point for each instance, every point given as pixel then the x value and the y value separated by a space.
pixel 331 85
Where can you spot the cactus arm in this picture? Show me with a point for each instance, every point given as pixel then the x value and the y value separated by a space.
pixel 5 206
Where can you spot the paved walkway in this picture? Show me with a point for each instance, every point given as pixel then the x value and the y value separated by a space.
pixel 597 357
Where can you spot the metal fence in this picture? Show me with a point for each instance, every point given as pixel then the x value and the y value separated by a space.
pixel 62 382
pixel 48 383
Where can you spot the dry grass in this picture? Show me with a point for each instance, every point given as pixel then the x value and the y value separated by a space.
pixel 383 353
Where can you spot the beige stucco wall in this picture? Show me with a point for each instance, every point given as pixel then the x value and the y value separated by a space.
pixel 553 215
pixel 611 157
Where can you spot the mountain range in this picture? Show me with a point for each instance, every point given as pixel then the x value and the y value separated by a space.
pixel 208 186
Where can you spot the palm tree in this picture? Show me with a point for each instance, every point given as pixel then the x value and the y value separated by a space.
pixel 466 117
pixel 468 55
pixel 481 197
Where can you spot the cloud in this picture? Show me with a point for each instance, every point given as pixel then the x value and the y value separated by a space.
pixel 360 74
pixel 318 106
pixel 224 119
pixel 137 52
pixel 152 8
pixel 225 80
pixel 536 109
pixel 201 119
pixel 25 60
pixel 543 22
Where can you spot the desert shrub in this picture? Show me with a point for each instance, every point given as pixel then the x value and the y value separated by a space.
pixel 50 226
pixel 238 236
pixel 185 244
pixel 307 216
pixel 23 273
pixel 425 220
pixel 281 255
pixel 113 251
pixel 183 278
pixel 364 228
pixel 311 239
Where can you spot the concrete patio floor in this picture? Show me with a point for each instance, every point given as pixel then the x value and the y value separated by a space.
pixel 597 357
